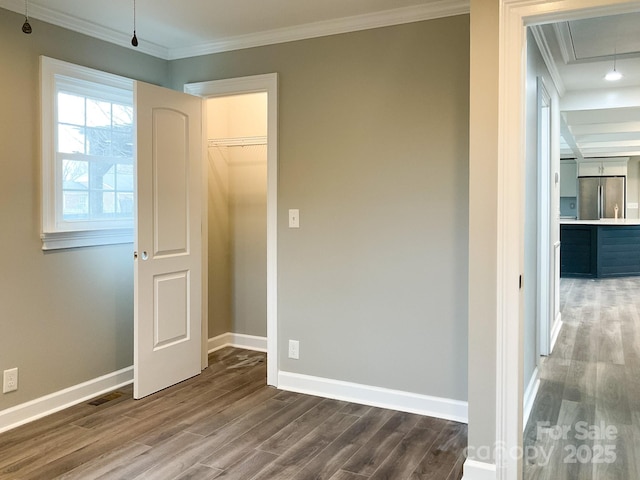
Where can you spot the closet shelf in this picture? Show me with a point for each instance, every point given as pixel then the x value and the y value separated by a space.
pixel 237 141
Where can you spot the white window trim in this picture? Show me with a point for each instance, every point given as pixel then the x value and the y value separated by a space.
pixel 52 236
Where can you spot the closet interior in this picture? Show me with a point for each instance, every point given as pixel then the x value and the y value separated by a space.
pixel 237 214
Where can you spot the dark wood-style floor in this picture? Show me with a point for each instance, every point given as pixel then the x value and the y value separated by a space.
pixel 226 423
pixel 593 377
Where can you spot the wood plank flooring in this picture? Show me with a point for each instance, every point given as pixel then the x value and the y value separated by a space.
pixel 226 423
pixel 589 383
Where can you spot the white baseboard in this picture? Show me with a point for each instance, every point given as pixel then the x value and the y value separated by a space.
pixel 555 331
pixel 239 340
pixel 54 402
pixel 529 397
pixel 456 410
pixel 474 470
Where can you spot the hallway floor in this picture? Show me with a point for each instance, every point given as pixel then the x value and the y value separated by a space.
pixel 585 422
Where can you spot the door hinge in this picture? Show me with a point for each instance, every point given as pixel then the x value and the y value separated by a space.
pixel 520 282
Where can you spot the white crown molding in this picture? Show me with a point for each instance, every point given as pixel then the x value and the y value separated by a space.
pixel 84 27
pixel 545 51
pixel 428 11
pixel 565 42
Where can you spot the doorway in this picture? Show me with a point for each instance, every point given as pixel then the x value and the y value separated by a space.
pixel 516 15
pixel 218 89
pixel 237 217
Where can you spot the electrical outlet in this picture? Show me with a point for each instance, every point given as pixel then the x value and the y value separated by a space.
pixel 294 349
pixel 10 380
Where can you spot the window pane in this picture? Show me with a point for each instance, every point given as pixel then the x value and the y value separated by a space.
pixel 75 205
pixel 109 178
pixel 75 175
pixel 122 142
pixel 108 203
pixel 70 139
pixel 99 141
pixel 125 204
pixel 125 178
pixel 98 113
pixel 122 115
pixel 70 109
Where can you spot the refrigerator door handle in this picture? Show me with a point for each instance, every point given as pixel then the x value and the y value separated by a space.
pixel 599 202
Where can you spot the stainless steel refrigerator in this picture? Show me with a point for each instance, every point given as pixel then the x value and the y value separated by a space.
pixel 599 196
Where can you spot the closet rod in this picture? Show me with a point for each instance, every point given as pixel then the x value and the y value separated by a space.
pixel 236 141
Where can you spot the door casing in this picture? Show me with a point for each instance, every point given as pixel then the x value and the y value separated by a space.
pixel 267 83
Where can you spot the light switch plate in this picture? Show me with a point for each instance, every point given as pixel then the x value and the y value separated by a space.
pixel 294 218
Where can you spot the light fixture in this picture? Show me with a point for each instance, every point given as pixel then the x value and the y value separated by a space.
pixel 134 40
pixel 26 27
pixel 614 75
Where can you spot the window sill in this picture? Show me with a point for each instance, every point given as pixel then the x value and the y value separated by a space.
pixel 86 238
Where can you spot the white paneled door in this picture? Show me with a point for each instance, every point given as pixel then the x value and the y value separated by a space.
pixel 168 265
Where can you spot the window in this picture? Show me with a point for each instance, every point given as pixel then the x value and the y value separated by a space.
pixel 88 170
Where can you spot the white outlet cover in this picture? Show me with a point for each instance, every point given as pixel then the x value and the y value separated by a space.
pixel 294 349
pixel 10 380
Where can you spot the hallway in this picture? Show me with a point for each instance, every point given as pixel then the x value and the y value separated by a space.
pixel 585 422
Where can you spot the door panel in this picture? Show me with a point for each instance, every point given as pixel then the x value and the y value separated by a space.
pixel 167 270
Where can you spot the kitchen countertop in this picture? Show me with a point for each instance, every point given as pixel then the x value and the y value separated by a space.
pixel 602 221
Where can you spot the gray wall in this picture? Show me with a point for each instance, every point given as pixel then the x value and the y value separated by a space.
pixel 248 234
pixel 65 316
pixel 483 212
pixel 373 150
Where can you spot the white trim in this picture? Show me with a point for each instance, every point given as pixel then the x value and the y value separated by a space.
pixel 474 470
pixel 251 84
pixel 514 16
pixel 239 340
pixel 563 35
pixel 547 56
pixel 446 408
pixel 58 240
pixel 398 16
pixel 27 412
pixel 543 146
pixel 530 396
pixel 555 330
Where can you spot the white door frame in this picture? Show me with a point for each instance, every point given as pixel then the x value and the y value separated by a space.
pixel 515 16
pixel 544 219
pixel 235 86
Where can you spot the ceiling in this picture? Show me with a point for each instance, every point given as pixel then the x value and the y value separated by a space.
pixel 171 29
pixel 599 118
